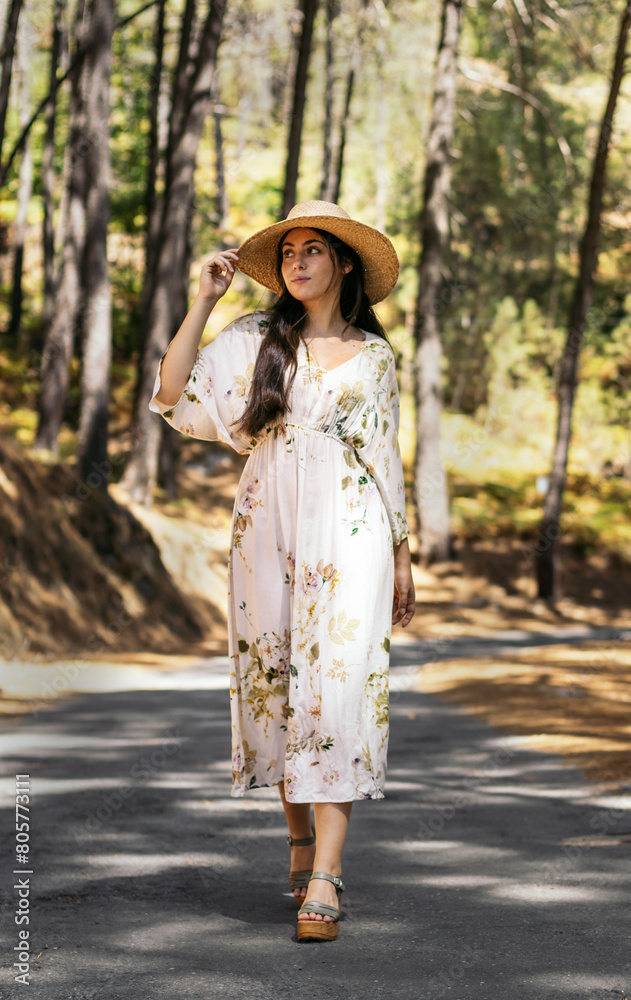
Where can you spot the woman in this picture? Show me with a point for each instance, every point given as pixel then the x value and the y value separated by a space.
pixel 319 544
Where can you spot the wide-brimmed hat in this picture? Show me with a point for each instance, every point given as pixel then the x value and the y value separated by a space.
pixel 258 255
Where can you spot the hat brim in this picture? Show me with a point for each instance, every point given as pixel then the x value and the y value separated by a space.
pixel 258 254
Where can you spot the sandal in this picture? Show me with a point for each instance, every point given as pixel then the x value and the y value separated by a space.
pixel 321 930
pixel 300 880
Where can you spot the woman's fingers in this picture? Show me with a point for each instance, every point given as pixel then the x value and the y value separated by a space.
pixel 217 273
pixel 224 261
pixel 403 606
pixel 409 610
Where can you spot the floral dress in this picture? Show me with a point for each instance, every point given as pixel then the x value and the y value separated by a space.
pixel 311 573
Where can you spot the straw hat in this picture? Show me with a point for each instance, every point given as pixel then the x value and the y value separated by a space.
pixel 257 256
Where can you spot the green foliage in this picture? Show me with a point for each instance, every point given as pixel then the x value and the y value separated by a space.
pixel 518 205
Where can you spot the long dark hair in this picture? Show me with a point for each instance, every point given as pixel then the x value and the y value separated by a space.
pixel 269 392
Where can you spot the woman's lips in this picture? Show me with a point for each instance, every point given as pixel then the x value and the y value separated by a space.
pixel 297 280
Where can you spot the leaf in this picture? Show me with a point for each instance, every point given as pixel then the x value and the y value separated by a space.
pixel 353 623
pixel 337 639
pixel 350 459
pixel 314 653
pixel 347 481
pixel 355 530
pixel 254 651
pixel 332 624
pixel 293 670
pixel 348 634
pixel 385 645
pixel 243 646
pixel 341 620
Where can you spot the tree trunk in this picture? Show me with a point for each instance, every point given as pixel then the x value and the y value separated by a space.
pixel 58 341
pixel 335 183
pixel 308 8
pixel 171 440
pixel 549 530
pixel 222 209
pixel 429 477
pixel 153 203
pixel 25 187
pixel 141 472
pixel 332 10
pixel 97 316
pixel 48 170
pixel 8 51
pixel 381 145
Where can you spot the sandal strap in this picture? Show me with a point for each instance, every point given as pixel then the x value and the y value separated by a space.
pixel 335 879
pixel 323 909
pixel 300 880
pixel 305 842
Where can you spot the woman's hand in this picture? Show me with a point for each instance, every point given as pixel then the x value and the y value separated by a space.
pixel 217 274
pixel 404 603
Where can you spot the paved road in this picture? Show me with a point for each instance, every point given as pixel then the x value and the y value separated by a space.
pixel 489 872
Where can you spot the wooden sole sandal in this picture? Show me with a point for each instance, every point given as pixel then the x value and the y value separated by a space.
pixel 300 880
pixel 321 930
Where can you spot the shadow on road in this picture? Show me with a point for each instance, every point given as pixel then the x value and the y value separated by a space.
pixel 488 872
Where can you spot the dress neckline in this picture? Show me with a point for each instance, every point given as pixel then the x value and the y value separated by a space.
pixel 329 371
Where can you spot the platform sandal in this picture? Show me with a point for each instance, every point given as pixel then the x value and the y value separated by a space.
pixel 300 880
pixel 321 930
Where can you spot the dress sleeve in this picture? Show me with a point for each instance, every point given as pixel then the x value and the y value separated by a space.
pixel 215 396
pixel 378 449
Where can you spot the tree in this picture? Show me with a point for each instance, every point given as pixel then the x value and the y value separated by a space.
pixel 429 478
pixel 48 171
pixel 581 301
pixel 24 192
pixel 332 10
pixel 8 51
pixel 308 9
pixel 59 333
pixel 335 176
pixel 97 315
pixel 190 104
pixel 153 203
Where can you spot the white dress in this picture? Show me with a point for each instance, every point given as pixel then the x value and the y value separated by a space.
pixel 311 574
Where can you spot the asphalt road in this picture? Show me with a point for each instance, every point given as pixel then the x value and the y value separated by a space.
pixel 488 872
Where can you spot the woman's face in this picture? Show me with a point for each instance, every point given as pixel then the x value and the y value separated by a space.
pixel 307 269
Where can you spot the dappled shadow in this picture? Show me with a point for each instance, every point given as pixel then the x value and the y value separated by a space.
pixel 470 879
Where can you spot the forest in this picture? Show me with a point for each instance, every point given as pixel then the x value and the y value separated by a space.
pixel 489 139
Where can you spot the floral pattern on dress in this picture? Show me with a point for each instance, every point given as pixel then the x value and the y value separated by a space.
pixel 319 507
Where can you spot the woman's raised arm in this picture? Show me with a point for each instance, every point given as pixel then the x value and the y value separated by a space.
pixel 214 281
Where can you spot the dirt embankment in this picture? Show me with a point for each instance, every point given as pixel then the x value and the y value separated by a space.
pixel 79 572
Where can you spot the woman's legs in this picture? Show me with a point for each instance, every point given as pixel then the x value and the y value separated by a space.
pixel 331 823
pixel 298 816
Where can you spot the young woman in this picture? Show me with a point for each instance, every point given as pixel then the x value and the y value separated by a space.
pixel 319 547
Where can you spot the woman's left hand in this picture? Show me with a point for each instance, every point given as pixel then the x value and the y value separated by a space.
pixel 404 603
